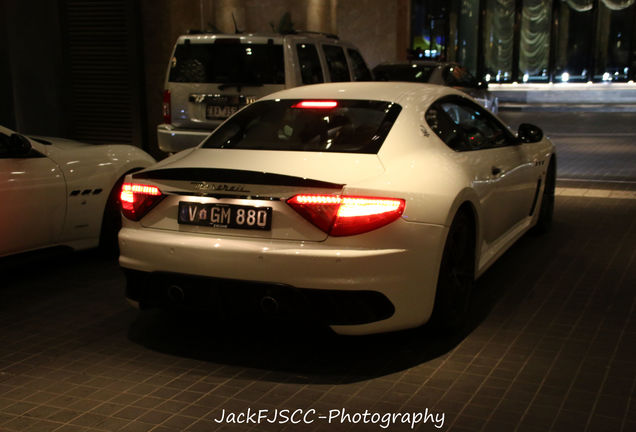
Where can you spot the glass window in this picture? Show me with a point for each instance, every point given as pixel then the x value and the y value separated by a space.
pixel 310 69
pixel 499 40
pixel 228 61
pixel 352 126
pixel 615 20
pixel 360 70
pixel 467 34
pixel 575 40
pixel 534 41
pixel 467 126
pixel 337 63
pixel 442 125
pixel 429 26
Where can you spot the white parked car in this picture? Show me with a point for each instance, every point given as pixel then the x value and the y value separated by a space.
pixel 368 206
pixel 58 192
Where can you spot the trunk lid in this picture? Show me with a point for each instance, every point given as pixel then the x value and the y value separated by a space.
pixel 233 179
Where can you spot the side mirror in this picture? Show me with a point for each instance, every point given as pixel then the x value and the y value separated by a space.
pixel 19 145
pixel 529 133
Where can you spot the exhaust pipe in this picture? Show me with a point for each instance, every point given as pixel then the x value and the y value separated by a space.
pixel 269 305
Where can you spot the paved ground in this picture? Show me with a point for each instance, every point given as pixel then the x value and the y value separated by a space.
pixel 598 148
pixel 549 347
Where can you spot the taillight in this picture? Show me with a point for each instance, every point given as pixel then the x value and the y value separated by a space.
pixel 347 215
pixel 165 107
pixel 137 199
pixel 316 104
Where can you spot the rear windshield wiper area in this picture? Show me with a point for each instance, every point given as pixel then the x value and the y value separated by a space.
pixel 239 85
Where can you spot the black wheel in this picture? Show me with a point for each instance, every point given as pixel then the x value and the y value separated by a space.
pixel 544 223
pixel 456 275
pixel 111 223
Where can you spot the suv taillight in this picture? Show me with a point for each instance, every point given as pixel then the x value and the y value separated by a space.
pixel 165 107
pixel 138 199
pixel 347 215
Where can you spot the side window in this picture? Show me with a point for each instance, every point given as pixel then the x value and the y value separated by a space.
pixel 337 63
pixel 444 128
pixel 360 70
pixel 480 130
pixel 464 126
pixel 310 69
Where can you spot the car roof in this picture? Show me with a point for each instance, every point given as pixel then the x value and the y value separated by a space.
pixel 278 37
pixel 377 90
pixel 430 63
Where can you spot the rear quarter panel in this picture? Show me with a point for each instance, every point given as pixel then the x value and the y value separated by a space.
pixel 429 175
pixel 91 172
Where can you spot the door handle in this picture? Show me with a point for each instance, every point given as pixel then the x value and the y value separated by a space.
pixel 495 170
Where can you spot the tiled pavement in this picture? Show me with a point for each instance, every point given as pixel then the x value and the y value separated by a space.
pixel 594 149
pixel 610 158
pixel 550 347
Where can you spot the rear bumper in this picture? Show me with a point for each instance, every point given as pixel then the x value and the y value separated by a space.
pixel 406 277
pixel 235 298
pixel 173 140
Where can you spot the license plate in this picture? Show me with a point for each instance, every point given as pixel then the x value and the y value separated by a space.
pixel 225 216
pixel 216 111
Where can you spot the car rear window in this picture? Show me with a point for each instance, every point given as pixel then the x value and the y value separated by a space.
pixel 228 61
pixel 351 126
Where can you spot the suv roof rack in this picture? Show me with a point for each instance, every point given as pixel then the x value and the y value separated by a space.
pixel 298 32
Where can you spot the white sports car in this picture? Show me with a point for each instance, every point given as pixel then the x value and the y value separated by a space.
pixel 371 207
pixel 58 192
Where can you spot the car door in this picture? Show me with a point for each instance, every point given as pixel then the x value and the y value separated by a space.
pixel 33 196
pixel 499 167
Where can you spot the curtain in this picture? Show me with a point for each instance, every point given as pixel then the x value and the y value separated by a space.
pixel 535 36
pixel 617 5
pixel 499 36
pixel 580 5
pixel 586 5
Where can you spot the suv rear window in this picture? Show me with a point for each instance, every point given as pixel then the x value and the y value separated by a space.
pixel 352 126
pixel 228 61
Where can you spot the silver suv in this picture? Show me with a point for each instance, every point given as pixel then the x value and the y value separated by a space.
pixel 211 76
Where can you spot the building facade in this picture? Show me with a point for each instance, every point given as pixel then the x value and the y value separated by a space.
pixel 535 41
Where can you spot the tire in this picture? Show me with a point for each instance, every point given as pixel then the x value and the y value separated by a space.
pixel 111 223
pixel 456 275
pixel 546 211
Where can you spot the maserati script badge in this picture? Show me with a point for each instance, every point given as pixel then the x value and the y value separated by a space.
pixel 204 187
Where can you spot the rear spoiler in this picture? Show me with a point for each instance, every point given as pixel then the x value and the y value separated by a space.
pixel 215 175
